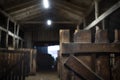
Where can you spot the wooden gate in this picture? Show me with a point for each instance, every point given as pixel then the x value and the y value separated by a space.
pixel 83 60
pixel 16 64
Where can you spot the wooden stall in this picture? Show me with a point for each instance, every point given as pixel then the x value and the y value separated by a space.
pixel 17 64
pixel 84 60
pixel 32 57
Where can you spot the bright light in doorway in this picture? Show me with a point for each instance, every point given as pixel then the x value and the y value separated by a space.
pixel 49 22
pixel 53 50
pixel 46 4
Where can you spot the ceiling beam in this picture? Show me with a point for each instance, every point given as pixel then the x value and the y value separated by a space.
pixel 42 22
pixel 70 15
pixel 30 17
pixel 70 5
pixel 26 9
pixel 104 15
pixel 23 5
pixel 67 8
pixel 27 14
pixel 7 15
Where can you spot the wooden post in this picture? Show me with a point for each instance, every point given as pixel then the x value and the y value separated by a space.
pixel 17 44
pixel 34 61
pixel 96 9
pixel 7 33
pixel 64 38
pixel 101 36
pixel 84 23
pixel 116 36
pixel 103 24
pixel 31 67
pixel 14 42
pixel 79 67
pixel 0 35
pixel 104 15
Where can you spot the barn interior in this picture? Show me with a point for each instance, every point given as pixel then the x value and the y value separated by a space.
pixel 76 39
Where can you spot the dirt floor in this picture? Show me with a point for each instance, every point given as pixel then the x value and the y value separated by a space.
pixel 49 75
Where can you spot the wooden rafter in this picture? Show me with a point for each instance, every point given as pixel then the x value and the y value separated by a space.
pixel 27 14
pixel 104 15
pixel 23 5
pixel 42 22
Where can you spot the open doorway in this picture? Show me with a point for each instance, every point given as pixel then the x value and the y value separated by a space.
pixel 46 58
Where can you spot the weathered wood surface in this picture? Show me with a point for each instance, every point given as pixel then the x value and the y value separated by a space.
pixel 96 56
pixel 32 57
pixel 88 47
pixel 14 64
pixel 82 36
pixel 78 66
pixel 64 37
pixel 101 36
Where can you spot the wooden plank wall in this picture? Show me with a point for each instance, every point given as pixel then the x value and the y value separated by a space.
pixel 102 63
pixel 17 64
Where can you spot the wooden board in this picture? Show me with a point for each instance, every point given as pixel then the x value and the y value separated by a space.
pixel 91 48
pixel 81 69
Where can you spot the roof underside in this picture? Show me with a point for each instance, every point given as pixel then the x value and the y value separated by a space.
pixel 59 11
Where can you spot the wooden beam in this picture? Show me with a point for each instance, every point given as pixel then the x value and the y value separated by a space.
pixel 69 9
pixel 27 14
pixel 13 35
pixel 104 15
pixel 30 17
pixel 7 15
pixel 78 8
pixel 6 30
pixel 43 22
pixel 14 41
pixel 96 9
pixel 3 29
pixel 18 27
pixel 70 15
pixel 16 7
pixel 81 69
pixel 90 47
pixel 8 20
pixel 10 33
pixel 26 9
pixel 0 35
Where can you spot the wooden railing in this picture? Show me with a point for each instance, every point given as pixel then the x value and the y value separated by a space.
pixel 14 64
pixel 84 60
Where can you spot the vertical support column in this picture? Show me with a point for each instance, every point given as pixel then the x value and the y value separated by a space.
pixel 83 36
pixel 116 36
pixel 0 35
pixel 31 67
pixel 14 42
pixel 17 44
pixel 101 36
pixel 84 23
pixel 115 60
pixel 64 38
pixel 103 24
pixel 7 33
pixel 96 9
pixel 34 61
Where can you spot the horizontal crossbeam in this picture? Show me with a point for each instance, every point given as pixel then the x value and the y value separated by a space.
pixel 90 47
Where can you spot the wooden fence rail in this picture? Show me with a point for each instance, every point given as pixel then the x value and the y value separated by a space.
pixel 14 64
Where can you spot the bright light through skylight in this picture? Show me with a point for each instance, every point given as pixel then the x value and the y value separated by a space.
pixel 49 22
pixel 46 4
